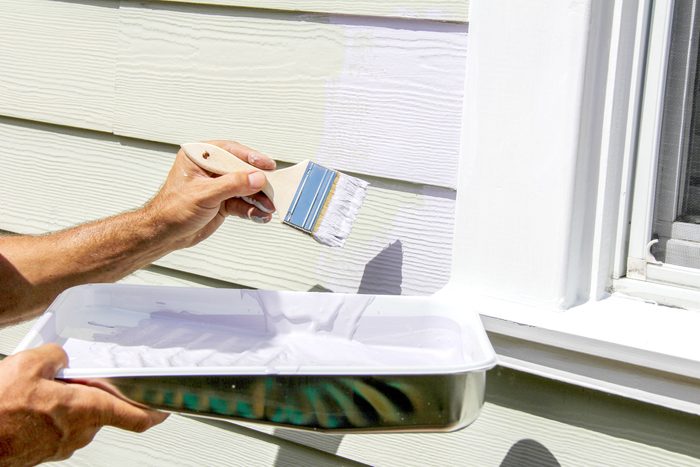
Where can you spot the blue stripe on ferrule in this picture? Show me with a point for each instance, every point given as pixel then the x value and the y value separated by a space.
pixel 310 196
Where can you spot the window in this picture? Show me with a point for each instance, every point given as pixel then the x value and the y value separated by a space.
pixel 665 227
pixel 677 204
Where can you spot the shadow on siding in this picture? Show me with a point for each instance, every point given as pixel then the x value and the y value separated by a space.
pixel 383 274
pixel 529 453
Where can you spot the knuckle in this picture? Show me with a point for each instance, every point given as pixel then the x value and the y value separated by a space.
pixel 59 352
pixel 55 406
pixel 22 359
pixel 141 424
pixel 54 347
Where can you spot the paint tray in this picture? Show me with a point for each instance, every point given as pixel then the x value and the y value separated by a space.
pixel 319 361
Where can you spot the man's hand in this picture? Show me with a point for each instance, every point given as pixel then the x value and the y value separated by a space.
pixel 46 420
pixel 193 203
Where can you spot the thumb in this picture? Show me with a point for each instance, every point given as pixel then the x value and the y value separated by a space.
pixel 44 361
pixel 235 184
pixel 114 411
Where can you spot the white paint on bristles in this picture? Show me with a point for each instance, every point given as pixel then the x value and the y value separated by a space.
pixel 335 225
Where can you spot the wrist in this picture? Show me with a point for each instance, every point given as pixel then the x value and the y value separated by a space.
pixel 157 228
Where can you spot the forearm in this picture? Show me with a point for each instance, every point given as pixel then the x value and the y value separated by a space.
pixel 35 269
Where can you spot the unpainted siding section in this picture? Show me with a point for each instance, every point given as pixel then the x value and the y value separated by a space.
pixel 58 61
pixel 443 10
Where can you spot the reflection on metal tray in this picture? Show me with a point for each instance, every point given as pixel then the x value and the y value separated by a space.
pixel 321 403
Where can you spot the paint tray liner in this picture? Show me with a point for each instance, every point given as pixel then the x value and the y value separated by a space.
pixel 329 362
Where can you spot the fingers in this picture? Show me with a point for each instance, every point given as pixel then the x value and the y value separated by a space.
pixel 233 185
pixel 246 154
pixel 240 208
pixel 107 387
pixel 116 412
pixel 260 201
pixel 44 361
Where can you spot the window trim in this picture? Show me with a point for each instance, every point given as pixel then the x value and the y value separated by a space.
pixel 615 342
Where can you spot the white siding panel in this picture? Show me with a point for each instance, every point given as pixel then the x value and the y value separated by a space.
pixel 401 241
pixel 374 96
pixel 442 10
pixel 57 61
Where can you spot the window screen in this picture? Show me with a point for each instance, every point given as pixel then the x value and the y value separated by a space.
pixel 677 203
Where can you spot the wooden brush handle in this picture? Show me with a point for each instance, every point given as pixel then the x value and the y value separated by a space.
pixel 215 159
pixel 281 184
pixel 219 161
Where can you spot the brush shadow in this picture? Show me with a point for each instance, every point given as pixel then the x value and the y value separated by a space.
pixel 383 274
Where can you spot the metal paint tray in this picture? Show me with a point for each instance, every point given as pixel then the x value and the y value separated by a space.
pixel 365 363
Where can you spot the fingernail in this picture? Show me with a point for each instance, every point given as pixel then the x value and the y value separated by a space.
pixel 255 157
pixel 257 204
pixel 260 220
pixel 256 179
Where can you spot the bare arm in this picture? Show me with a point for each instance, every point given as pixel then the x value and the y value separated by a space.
pixel 190 206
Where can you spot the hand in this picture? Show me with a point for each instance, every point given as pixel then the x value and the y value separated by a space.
pixel 193 203
pixel 46 420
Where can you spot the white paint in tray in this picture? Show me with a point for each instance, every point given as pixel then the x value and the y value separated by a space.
pixel 117 330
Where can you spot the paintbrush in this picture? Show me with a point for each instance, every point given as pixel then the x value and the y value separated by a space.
pixel 309 197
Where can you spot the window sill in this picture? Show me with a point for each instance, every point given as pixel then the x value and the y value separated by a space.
pixel 620 345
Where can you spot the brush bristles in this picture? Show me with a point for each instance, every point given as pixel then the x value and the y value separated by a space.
pixel 341 210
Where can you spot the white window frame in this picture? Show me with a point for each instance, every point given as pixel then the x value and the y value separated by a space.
pixel 641 264
pixel 590 326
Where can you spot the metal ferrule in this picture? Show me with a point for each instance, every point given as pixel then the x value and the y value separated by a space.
pixel 310 197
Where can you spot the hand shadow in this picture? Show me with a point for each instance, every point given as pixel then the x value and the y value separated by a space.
pixel 528 452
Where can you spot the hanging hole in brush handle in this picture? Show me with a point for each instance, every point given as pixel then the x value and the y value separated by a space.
pixel 215 159
pixel 219 161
